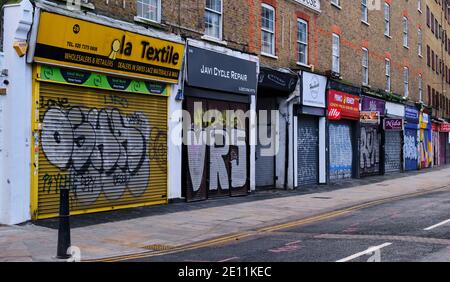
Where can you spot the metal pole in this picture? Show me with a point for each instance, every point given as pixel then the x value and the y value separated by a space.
pixel 64 225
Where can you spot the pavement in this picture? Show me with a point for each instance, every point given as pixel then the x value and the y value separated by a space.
pixel 147 229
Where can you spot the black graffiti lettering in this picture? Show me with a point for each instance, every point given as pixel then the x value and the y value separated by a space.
pixel 158 148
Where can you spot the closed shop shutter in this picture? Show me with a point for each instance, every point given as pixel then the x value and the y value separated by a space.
pixel 341 150
pixel 109 148
pixel 308 150
pixel 265 163
pixel 393 152
pixel 442 147
pixel 217 170
pixel 410 150
pixel 370 150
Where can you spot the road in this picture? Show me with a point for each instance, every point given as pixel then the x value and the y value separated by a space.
pixel 414 229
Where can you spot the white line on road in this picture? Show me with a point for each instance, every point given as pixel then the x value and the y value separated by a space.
pixel 437 225
pixel 368 251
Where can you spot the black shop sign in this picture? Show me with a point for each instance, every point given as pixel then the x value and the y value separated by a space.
pixel 213 70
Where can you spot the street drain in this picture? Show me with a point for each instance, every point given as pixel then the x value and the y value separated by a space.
pixel 158 247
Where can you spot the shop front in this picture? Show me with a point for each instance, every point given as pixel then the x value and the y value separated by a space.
pixel 100 100
pixel 311 130
pixel 444 145
pixel 343 119
pixel 425 141
pixel 435 127
pixel 411 138
pixel 393 128
pixel 275 86
pixel 372 111
pixel 220 89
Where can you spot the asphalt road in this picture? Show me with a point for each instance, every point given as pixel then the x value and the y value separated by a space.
pixel 395 229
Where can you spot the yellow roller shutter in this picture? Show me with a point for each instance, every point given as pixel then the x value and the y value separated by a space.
pixel 109 148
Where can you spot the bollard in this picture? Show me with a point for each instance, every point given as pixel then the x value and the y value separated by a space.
pixel 64 225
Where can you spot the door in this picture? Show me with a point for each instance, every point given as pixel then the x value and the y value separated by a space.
pixel 109 148
pixel 393 152
pixel 265 159
pixel 341 150
pixel 308 150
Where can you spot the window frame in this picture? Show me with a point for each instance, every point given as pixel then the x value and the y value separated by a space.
pixel 220 38
pixel 338 56
pixel 299 42
pixel 271 8
pixel 158 13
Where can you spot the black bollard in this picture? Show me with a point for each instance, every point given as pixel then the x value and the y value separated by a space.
pixel 64 225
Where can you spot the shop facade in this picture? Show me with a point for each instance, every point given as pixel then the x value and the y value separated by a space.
pixel 425 141
pixel 220 90
pixel 275 86
pixel 100 116
pixel 370 159
pixel 393 128
pixel 411 138
pixel 343 121
pixel 310 135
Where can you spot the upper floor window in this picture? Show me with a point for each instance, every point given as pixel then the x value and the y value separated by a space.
pixel 420 82
pixel 419 5
pixel 336 50
pixel 302 41
pixel 364 11
pixel 365 66
pixel 213 18
pixel 149 10
pixel 387 64
pixel 405 31
pixel 336 2
pixel 419 42
pixel 387 19
pixel 268 30
pixel 406 81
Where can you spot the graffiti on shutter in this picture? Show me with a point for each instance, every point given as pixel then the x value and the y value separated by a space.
pixel 410 149
pixel 393 151
pixel 308 154
pixel 341 150
pixel 370 150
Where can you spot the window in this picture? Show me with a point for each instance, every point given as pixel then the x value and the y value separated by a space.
pixel 419 42
pixel 302 41
pixel 387 19
pixel 419 6
pixel 364 11
pixel 365 66
pixel 336 54
pixel 428 56
pixel 406 81
pixel 405 31
pixel 387 63
pixel 149 10
pixel 213 18
pixel 336 2
pixel 268 30
pixel 420 82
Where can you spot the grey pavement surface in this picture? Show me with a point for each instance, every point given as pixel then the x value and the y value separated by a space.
pixel 400 224
pixel 127 232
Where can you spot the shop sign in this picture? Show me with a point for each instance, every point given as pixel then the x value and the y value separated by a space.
pixel 393 109
pixel 334 113
pixel 277 80
pixel 101 81
pixel 373 105
pixel 313 90
pixel 67 41
pixel 347 104
pixel 213 70
pixel 368 117
pixel 393 124
pixel 424 120
pixel 445 127
pixel 412 114
pixel 435 127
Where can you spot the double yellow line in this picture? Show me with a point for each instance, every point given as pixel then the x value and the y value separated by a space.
pixel 242 235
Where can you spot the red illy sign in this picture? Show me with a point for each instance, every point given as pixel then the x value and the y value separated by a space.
pixel 346 104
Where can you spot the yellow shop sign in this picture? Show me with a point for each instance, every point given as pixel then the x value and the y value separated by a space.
pixel 72 42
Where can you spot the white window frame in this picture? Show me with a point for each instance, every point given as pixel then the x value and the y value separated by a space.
pixel 364 12
pixel 158 13
pixel 220 20
pixel 419 42
pixel 336 68
pixel 272 54
pixel 387 66
pixel 405 28
pixel 420 83
pixel 365 66
pixel 336 3
pixel 299 42
pixel 387 19
pixel 405 81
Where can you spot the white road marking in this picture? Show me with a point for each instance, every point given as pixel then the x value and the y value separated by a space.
pixel 368 251
pixel 228 259
pixel 437 225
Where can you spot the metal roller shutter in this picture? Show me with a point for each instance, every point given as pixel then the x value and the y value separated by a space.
pixel 370 150
pixel 393 151
pixel 109 148
pixel 308 150
pixel 411 152
pixel 341 150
